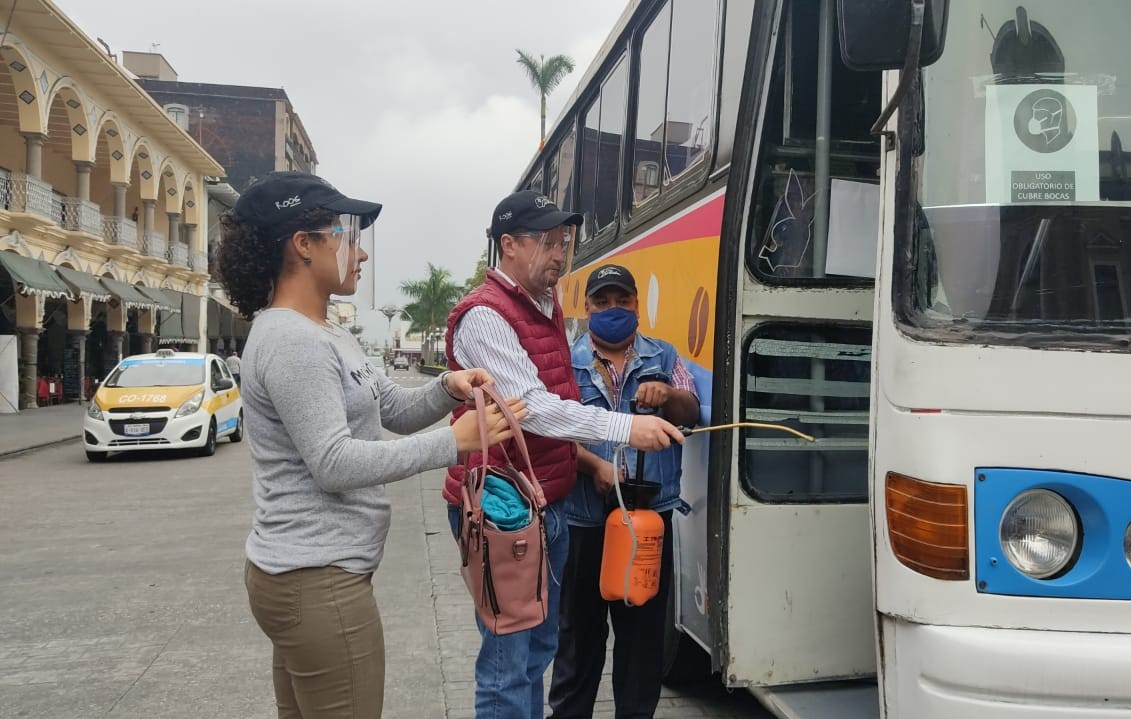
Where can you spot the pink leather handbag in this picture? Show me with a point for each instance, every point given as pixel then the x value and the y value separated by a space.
pixel 507 572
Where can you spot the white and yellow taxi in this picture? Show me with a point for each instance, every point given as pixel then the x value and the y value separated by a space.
pixel 164 400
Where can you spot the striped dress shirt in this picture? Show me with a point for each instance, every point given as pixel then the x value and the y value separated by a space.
pixel 484 339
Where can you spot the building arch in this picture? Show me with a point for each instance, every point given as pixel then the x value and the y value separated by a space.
pixel 75 106
pixel 109 269
pixel 21 250
pixel 27 95
pixel 68 258
pixel 190 210
pixel 110 132
pixel 146 178
pixel 171 182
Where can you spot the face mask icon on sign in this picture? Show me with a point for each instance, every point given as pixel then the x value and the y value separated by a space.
pixel 1047 119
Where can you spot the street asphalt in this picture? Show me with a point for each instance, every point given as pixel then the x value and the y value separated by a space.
pixel 121 591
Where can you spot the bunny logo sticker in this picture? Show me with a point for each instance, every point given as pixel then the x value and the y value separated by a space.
pixel 791 228
pixel 1045 121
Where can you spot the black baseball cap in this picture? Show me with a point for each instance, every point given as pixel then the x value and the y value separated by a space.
pixel 610 276
pixel 529 210
pixel 282 196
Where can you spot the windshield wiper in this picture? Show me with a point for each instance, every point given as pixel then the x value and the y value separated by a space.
pixel 1030 265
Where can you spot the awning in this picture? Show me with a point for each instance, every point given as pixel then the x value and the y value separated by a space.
pixel 34 277
pixel 225 322
pixel 128 294
pixel 190 316
pixel 85 283
pixel 215 310
pixel 240 328
pixel 165 299
pixel 169 330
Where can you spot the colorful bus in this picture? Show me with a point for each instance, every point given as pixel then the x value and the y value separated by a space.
pixel 940 297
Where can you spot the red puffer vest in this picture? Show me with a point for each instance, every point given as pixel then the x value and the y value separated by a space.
pixel 544 339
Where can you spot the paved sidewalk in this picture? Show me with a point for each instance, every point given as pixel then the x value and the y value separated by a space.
pixel 33 428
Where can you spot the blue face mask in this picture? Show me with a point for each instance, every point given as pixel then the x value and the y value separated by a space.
pixel 613 325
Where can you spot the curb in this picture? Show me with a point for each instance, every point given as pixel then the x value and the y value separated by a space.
pixel 7 454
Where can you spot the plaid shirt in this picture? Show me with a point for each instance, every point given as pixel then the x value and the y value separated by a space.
pixel 681 379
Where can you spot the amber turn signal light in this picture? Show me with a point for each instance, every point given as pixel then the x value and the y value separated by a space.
pixel 927 526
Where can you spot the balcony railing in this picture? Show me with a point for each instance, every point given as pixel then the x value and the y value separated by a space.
pixel 82 216
pixel 154 245
pixel 199 262
pixel 178 254
pixel 27 194
pixel 119 231
pixel 57 209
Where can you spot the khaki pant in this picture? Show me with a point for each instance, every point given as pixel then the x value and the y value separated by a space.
pixel 329 649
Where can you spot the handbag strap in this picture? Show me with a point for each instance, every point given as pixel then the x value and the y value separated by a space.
pixel 533 489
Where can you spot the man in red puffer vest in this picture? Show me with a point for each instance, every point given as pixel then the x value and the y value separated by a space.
pixel 512 326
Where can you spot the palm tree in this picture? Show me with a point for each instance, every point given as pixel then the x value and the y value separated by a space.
pixel 545 75
pixel 432 301
pixel 480 275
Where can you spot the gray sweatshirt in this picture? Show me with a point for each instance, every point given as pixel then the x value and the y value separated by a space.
pixel 314 409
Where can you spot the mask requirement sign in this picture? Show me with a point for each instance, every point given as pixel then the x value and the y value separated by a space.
pixel 1042 144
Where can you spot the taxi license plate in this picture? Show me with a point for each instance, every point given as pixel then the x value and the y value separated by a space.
pixel 136 429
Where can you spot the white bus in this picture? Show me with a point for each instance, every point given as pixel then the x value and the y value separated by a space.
pixel 943 305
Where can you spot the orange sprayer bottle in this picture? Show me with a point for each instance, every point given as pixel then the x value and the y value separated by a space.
pixel 634 543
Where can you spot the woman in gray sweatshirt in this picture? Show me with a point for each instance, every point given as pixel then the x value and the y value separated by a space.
pixel 314 410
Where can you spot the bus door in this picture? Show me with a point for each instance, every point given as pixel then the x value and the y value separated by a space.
pixel 799 604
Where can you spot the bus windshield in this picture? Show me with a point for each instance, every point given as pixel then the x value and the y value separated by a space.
pixel 1021 230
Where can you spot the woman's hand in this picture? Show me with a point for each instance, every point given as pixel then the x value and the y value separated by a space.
pixel 466 428
pixel 460 383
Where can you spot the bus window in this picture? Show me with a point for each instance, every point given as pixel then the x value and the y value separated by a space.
pixel 650 108
pixel 816 380
pixel 560 173
pixel 590 128
pixel 535 182
pixel 600 147
pixel 797 181
pixel 691 86
pixel 673 128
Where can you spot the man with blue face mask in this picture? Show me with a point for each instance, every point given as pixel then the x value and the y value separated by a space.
pixel 614 364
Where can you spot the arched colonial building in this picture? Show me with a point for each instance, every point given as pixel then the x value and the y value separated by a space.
pixel 103 210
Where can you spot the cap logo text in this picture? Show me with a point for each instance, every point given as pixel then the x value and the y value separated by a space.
pixel 608 271
pixel 540 202
pixel 289 202
pixel 505 216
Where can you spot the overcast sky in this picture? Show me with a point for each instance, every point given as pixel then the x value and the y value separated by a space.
pixel 419 105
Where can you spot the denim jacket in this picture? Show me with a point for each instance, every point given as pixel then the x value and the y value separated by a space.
pixel 653 359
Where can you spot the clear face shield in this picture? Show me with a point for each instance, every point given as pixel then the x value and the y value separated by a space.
pixel 552 258
pixel 349 244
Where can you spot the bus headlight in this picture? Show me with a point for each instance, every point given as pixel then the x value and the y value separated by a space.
pixel 1127 543
pixel 1040 533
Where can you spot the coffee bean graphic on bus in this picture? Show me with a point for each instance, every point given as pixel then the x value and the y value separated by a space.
pixel 697 323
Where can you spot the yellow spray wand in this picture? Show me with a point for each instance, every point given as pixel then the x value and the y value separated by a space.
pixel 753 425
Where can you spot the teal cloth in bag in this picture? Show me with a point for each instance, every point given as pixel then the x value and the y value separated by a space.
pixel 503 505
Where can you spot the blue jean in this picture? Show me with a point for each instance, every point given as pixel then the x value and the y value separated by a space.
pixel 509 668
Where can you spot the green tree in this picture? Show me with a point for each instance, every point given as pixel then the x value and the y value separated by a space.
pixel 432 300
pixel 480 275
pixel 545 75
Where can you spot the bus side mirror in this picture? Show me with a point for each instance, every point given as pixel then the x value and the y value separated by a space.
pixel 874 33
